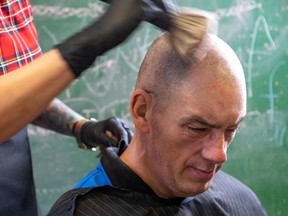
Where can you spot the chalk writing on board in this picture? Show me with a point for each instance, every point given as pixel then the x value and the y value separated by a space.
pixel 271 94
pixel 268 49
pixel 279 128
pixel 241 8
pixel 92 11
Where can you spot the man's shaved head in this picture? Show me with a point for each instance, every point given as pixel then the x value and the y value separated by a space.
pixel 163 71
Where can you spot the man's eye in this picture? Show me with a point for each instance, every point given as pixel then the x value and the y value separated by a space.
pixel 232 130
pixel 197 129
pixel 230 133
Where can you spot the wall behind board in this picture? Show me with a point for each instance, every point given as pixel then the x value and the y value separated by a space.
pixel 257 31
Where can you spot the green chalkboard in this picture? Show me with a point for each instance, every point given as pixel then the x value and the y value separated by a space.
pixel 257 31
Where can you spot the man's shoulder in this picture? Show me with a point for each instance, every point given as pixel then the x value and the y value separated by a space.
pixel 226 196
pixel 107 200
pixel 66 203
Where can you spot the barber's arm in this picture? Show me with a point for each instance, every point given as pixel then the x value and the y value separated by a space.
pixel 27 92
pixel 89 133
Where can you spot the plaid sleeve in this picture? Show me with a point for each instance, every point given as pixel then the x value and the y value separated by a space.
pixel 18 37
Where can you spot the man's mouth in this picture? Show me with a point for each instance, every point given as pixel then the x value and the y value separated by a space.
pixel 202 174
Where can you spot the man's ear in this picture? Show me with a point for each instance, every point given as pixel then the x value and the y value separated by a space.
pixel 140 105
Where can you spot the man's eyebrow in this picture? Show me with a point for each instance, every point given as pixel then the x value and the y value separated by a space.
pixel 198 119
pixel 238 122
pixel 204 122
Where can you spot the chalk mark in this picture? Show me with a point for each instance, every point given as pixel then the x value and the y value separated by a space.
pixel 92 11
pixel 238 10
pixel 271 96
pixel 252 51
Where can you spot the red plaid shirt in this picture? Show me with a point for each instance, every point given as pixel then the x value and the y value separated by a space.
pixel 18 37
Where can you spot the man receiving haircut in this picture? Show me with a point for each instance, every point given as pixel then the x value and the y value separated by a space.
pixel 185 113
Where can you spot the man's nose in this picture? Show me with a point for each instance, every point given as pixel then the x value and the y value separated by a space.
pixel 215 148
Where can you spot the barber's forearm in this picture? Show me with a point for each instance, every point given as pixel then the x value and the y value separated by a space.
pixel 28 91
pixel 58 117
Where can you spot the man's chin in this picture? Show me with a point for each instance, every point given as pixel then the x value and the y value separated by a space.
pixel 196 188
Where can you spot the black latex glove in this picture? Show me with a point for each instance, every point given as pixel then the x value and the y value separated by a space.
pixel 156 12
pixel 121 18
pixel 94 133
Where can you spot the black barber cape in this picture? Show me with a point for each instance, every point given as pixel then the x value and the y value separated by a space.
pixel 132 197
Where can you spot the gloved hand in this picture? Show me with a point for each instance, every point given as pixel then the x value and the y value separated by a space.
pixel 156 12
pixel 81 49
pixel 107 132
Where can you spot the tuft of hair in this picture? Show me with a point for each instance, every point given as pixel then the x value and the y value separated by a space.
pixel 189 27
pixel 162 69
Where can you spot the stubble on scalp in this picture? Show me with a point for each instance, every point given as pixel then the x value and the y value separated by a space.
pixel 163 71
